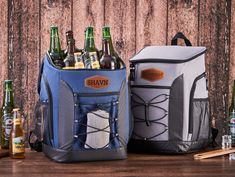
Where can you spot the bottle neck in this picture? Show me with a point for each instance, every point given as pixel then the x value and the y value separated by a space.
pixel 89 39
pixel 8 97
pixel 55 41
pixel 106 48
pixel 107 36
pixel 71 47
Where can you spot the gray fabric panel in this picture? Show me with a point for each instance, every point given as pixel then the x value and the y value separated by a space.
pixel 60 155
pixel 168 53
pixel 169 147
pixel 176 109
pixel 66 116
pixel 122 112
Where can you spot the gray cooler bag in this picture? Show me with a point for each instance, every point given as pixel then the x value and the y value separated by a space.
pixel 169 99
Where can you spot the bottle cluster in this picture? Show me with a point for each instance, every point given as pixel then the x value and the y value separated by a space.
pixel 11 131
pixel 89 57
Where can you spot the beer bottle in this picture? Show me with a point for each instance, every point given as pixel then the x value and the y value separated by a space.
pixel 91 56
pixel 107 61
pixel 6 114
pixel 17 148
pixel 69 35
pixel 69 60
pixel 79 64
pixel 107 35
pixel 55 49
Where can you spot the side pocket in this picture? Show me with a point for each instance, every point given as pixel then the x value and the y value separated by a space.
pixel 200 114
pixel 41 126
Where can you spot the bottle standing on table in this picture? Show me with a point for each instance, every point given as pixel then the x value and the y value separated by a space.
pixel 107 61
pixel 69 61
pixel 107 35
pixel 91 55
pixel 6 114
pixel 232 117
pixel 55 51
pixel 17 148
pixel 69 35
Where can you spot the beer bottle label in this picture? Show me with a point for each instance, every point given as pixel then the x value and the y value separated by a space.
pixel 95 65
pixel 79 65
pixel 94 60
pixel 7 125
pixel 68 67
pixel 18 145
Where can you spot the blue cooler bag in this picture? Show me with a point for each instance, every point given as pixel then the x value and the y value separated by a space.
pixel 85 113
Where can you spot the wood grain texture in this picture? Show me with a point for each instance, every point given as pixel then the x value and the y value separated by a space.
pixel 24 54
pixel 3 45
pixel 232 49
pixel 213 32
pixel 120 16
pixel 54 12
pixel 151 23
pixel 183 16
pixel 36 164
pixel 88 13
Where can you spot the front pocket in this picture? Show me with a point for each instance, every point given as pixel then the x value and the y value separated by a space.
pixel 96 121
pixel 150 111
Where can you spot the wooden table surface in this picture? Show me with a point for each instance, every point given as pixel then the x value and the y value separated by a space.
pixel 36 164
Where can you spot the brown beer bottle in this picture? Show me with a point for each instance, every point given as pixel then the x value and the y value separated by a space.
pixel 107 61
pixel 107 35
pixel 69 61
pixel 17 148
pixel 69 35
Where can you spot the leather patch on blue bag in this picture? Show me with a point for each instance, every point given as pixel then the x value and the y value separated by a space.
pixel 97 82
pixel 152 74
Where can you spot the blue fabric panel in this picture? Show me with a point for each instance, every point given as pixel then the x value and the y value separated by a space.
pixel 53 80
pixel 127 121
pixel 43 93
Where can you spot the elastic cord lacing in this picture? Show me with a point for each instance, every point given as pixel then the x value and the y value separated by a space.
pixel 108 129
pixel 138 102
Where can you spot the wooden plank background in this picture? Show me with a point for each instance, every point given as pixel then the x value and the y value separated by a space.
pixel 24 38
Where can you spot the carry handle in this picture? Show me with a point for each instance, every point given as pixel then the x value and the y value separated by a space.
pixel 180 35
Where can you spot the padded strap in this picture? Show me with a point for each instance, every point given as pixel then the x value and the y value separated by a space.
pixel 36 145
pixel 40 76
pixel 180 35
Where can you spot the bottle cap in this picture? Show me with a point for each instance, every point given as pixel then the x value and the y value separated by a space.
pixel 54 27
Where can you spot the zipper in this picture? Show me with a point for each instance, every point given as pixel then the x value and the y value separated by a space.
pixel 151 86
pixel 169 61
pixel 190 129
pixel 50 110
pixel 97 94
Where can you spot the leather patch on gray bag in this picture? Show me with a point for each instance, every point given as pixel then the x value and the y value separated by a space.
pixel 152 74
pixel 97 82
